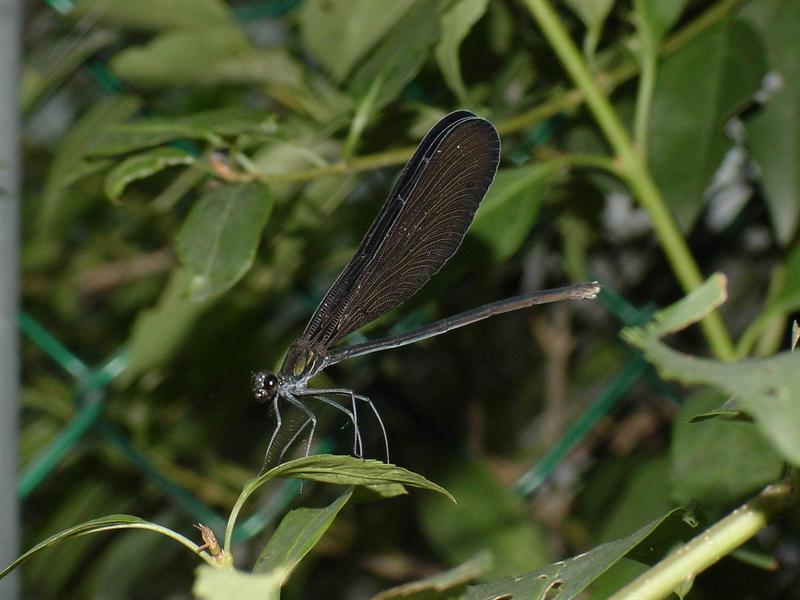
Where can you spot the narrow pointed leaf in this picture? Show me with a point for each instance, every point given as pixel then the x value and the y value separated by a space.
pixel 338 469
pixel 397 58
pixel 107 523
pixel 339 33
pixel 457 21
pixel 141 166
pixel 443 585
pixel 211 126
pixel 567 579
pixel 348 470
pixel 296 536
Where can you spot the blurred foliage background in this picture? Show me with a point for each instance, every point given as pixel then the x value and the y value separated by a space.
pixel 197 173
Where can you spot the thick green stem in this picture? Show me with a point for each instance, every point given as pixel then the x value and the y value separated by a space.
pixel 718 541
pixel 568 100
pixel 633 168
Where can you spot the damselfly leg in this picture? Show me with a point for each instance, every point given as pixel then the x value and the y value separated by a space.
pixel 310 418
pixel 353 397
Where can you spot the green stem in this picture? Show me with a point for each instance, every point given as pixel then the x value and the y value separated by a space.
pixel 773 310
pixel 634 169
pixel 228 541
pixel 362 116
pixel 703 22
pixel 644 100
pixel 560 102
pixel 593 161
pixel 571 99
pixel 341 167
pixel 721 539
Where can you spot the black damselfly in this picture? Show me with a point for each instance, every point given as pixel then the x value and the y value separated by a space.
pixel 419 228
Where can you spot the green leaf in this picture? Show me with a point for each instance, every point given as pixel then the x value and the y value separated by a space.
pixel 488 516
pixel 159 332
pixel 717 462
pixel 69 159
pixel 224 584
pixel 158 14
pixel 141 166
pixel 765 388
pixel 366 108
pixel 181 57
pixel 508 212
pixel 286 80
pixel 786 301
pixel 449 584
pixel 658 16
pixel 381 491
pixel 398 57
pixel 692 308
pixel 698 89
pixel 297 534
pixel 107 523
pixel 314 96
pixel 593 14
pixel 339 33
pixel 729 409
pixel 569 578
pixel 501 29
pixel 219 239
pixel 341 470
pixel 348 470
pixel 211 125
pixel 181 184
pixel 640 494
pixel 52 62
pixel 773 133
pixel 457 21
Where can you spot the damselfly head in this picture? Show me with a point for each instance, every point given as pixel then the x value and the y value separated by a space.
pixel 265 386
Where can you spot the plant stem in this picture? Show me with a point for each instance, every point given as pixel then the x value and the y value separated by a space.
pixel 644 100
pixel 593 161
pixel 694 28
pixel 773 310
pixel 721 539
pixel 633 168
pixel 564 101
pixel 341 167
pixel 560 102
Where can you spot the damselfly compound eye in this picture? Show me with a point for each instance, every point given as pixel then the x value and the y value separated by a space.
pixel 265 386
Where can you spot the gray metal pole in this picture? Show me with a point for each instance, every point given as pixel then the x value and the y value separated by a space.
pixel 10 58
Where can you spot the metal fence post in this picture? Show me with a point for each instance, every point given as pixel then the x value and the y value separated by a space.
pixel 10 58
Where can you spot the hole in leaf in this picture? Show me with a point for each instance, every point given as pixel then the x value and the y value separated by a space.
pixel 552 592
